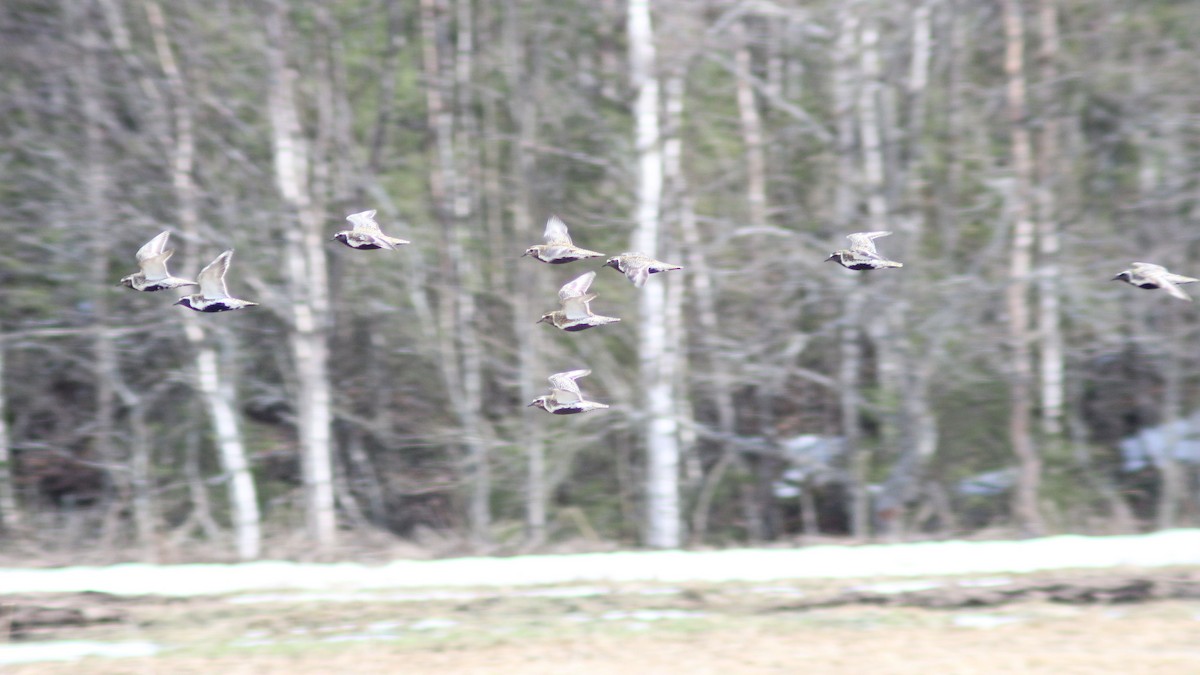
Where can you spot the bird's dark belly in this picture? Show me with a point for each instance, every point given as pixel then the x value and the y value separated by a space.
pixel 861 266
pixel 1148 284
pixel 577 327
pixel 366 246
pixel 212 309
pixel 567 411
pixel 155 287
pixel 562 261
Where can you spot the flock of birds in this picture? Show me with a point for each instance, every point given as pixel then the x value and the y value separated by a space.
pixel 574 313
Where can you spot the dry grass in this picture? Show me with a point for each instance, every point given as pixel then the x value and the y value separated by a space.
pixel 732 629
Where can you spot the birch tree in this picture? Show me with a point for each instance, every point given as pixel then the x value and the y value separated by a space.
pixel 304 264
pixel 1049 322
pixel 1026 510
pixel 663 524
pixel 523 111
pixel 849 332
pixel 10 514
pixel 217 392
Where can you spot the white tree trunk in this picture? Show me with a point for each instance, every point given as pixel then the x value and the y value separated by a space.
pixel 524 112
pixel 869 127
pixel 700 278
pixel 1049 320
pixel 304 261
pixel 663 525
pixel 1026 510
pixel 10 516
pixel 219 396
pixel 752 134
pixel 884 326
pixel 845 209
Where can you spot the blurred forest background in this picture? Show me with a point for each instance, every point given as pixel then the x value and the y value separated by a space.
pixel 1022 151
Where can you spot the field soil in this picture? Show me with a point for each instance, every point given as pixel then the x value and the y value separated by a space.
pixel 1117 622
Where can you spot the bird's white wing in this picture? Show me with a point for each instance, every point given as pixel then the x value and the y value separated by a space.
pixel 154 268
pixel 577 307
pixel 576 287
pixel 1170 287
pixel 364 221
pixel 1180 279
pixel 564 388
pixel 212 277
pixel 154 247
pixel 1148 268
pixel 556 232
pixel 1160 276
pixel 862 241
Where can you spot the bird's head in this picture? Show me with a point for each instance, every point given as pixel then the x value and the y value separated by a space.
pixel 1123 276
pixel 127 282
pixel 613 262
pixel 533 252
pixel 548 317
pixel 539 402
pixel 186 301
pixel 340 236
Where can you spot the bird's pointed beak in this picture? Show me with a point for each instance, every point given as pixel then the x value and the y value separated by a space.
pixel 178 302
pixel 531 404
pixel 831 257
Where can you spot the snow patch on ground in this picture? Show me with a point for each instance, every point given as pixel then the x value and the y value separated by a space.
pixel 73 650
pixel 1172 547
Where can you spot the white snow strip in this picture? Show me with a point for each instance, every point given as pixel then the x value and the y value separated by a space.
pixel 1172 547
pixel 893 587
pixel 72 650
pixel 984 620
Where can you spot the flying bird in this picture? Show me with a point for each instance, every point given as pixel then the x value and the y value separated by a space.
pixel 576 313
pixel 558 248
pixel 152 258
pixel 366 233
pixel 638 266
pixel 564 397
pixel 213 297
pixel 1149 275
pixel 862 255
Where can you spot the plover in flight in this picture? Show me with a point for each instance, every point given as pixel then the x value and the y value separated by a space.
pixel 366 233
pixel 862 255
pixel 564 397
pixel 638 266
pixel 576 314
pixel 1149 275
pixel 558 248
pixel 212 296
pixel 152 258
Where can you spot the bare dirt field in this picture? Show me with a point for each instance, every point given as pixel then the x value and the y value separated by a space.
pixel 1085 623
